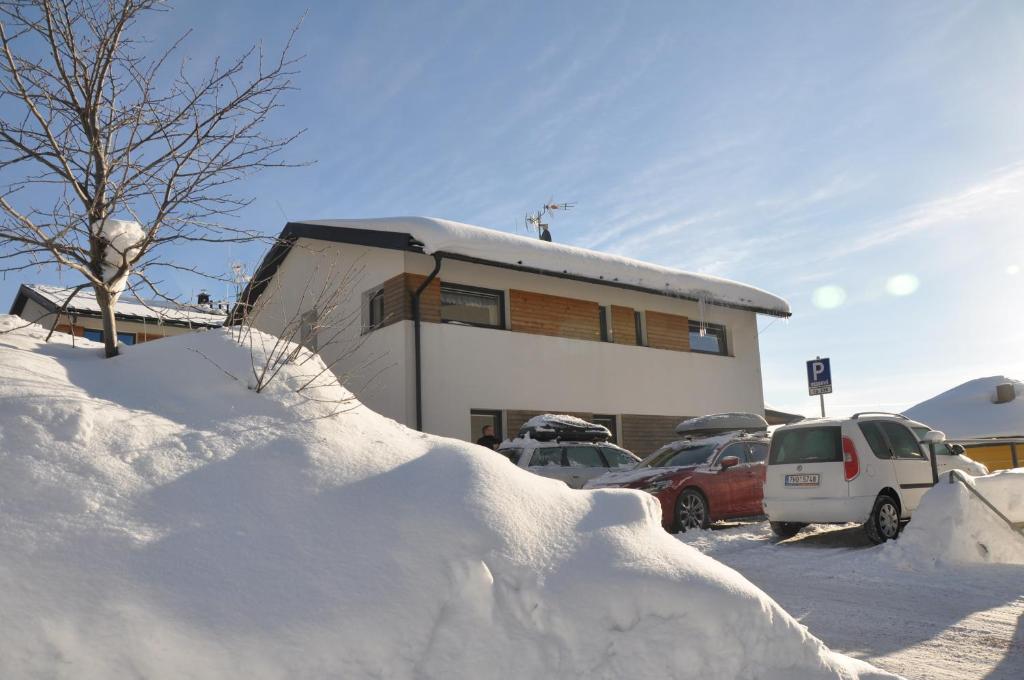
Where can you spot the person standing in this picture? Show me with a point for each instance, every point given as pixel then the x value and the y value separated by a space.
pixel 488 439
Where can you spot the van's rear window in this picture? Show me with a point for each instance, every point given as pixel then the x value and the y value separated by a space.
pixel 806 445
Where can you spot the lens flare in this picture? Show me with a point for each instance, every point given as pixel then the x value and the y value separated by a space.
pixel 902 284
pixel 828 297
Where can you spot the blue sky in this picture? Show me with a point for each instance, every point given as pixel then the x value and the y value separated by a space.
pixel 867 156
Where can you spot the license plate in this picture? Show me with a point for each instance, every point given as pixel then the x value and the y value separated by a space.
pixel 803 480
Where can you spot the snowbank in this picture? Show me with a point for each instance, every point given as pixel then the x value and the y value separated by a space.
pixel 445 236
pixel 951 525
pixel 158 519
pixel 967 411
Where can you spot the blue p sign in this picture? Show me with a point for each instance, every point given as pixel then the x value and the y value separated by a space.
pixel 819 377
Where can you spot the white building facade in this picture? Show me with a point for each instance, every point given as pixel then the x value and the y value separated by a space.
pixel 509 327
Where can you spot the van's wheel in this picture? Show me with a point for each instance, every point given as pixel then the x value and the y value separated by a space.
pixel 884 522
pixel 692 511
pixel 786 530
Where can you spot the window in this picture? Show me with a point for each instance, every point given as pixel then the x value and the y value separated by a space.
pixel 806 445
pixel 583 456
pixel 307 329
pixel 609 421
pixel 606 335
pixel 638 325
pixel 758 453
pixel 738 450
pixel 96 335
pixel 617 457
pixel 903 442
pixel 674 455
pixel 480 418
pixel 512 454
pixel 472 306
pixel 711 342
pixel 375 309
pixel 546 456
pixel 876 440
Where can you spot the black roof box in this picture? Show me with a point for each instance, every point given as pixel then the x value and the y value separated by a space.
pixel 550 427
pixel 718 423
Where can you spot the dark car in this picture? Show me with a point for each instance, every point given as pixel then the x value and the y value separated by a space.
pixel 700 480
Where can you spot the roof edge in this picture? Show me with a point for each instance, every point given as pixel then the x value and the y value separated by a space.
pixel 395 240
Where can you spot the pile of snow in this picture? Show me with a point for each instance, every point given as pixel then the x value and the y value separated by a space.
pixel 122 238
pixel 158 519
pixel 968 411
pixel 445 236
pixel 951 525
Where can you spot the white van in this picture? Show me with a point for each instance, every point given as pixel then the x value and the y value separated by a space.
pixel 870 468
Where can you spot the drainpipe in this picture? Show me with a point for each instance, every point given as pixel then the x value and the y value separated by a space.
pixel 416 338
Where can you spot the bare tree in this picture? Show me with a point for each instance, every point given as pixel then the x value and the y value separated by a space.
pixel 93 126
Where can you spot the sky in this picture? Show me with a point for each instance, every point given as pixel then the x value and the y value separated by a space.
pixel 864 160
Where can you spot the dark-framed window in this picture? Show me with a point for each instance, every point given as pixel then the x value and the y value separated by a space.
pixel 479 418
pixel 375 309
pixel 472 306
pixel 606 335
pixel 96 335
pixel 638 324
pixel 712 341
pixel 609 421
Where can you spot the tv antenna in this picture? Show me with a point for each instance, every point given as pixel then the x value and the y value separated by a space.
pixel 535 221
pixel 239 278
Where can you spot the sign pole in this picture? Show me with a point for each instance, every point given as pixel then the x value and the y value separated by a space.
pixel 821 398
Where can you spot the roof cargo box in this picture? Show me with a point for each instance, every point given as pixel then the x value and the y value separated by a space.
pixel 549 427
pixel 717 423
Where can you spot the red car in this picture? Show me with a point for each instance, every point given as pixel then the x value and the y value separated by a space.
pixel 700 481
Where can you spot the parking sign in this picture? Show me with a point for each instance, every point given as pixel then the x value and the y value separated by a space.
pixel 819 376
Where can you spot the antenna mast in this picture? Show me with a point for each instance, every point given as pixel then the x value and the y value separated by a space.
pixel 535 221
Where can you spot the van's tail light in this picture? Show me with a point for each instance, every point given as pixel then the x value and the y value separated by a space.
pixel 851 464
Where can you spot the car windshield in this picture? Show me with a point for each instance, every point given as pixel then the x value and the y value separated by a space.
pixel 673 456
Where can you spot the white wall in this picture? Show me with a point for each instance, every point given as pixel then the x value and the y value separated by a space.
pixel 466 367
pixel 377 367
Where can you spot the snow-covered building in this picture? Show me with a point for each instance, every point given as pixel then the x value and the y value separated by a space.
pixel 461 327
pixel 137 320
pixel 985 415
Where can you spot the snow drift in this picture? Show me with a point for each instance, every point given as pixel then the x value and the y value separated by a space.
pixel 952 526
pixel 158 519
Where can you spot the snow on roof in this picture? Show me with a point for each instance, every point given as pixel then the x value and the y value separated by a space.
pixel 445 236
pixel 158 310
pixel 968 411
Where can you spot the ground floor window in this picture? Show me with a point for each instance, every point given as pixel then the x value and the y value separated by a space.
pixel 96 335
pixel 480 419
pixel 708 340
pixel 609 421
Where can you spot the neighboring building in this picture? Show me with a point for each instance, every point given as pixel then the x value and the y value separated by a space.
pixel 986 415
pixel 510 327
pixel 136 321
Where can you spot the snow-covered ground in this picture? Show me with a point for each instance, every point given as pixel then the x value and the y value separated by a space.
pixel 889 605
pixel 160 519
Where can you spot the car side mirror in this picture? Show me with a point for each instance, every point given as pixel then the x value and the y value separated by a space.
pixel 957 449
pixel 934 437
pixel 728 462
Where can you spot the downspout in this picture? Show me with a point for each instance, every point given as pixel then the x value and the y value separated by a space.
pixel 416 338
